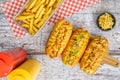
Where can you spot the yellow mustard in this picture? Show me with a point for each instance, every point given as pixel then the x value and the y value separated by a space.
pixel 26 71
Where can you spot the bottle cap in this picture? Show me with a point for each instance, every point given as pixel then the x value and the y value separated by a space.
pixel 4 68
pixel 18 77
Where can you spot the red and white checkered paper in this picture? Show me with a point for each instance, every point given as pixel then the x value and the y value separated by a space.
pixel 67 8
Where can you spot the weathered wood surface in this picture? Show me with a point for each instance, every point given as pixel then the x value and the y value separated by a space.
pixel 54 69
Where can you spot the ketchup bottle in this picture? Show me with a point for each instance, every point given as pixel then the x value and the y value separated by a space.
pixel 10 59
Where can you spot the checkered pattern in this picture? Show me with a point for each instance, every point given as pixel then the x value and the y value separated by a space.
pixel 68 8
pixel 11 9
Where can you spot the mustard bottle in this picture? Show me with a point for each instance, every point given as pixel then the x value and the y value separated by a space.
pixel 26 71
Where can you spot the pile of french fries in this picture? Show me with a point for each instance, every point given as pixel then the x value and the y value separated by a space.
pixel 36 13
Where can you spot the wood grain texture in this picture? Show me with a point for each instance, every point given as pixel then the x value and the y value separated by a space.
pixel 54 69
pixel 85 19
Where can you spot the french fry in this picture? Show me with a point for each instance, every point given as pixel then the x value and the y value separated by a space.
pixel 57 3
pixel 37 5
pixel 25 25
pixel 31 27
pixel 31 32
pixel 32 4
pixel 28 20
pixel 35 29
pixel 40 24
pixel 24 17
pixel 40 16
pixel 43 1
pixel 45 17
pixel 39 11
pixel 26 7
pixel 26 13
pixel 51 3
pixel 31 22
pixel 49 11
pixel 28 10
pixel 47 1
pixel 25 21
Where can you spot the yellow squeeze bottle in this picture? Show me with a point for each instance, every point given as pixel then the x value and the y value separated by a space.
pixel 26 71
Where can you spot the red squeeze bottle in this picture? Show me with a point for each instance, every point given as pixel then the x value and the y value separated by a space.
pixel 10 59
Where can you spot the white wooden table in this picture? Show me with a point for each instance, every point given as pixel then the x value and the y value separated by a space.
pixel 54 69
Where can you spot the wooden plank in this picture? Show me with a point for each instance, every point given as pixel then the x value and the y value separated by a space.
pixel 85 19
pixel 1 11
pixel 3 20
pixel 53 69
